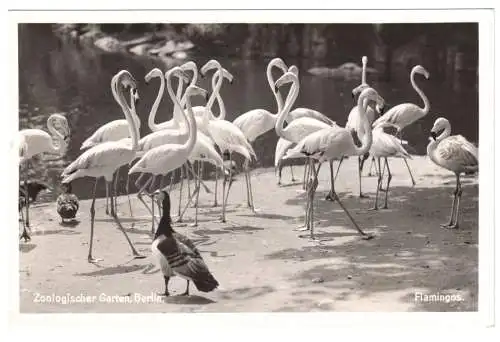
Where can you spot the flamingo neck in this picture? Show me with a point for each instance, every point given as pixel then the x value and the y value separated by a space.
pixel 215 90
pixel 61 146
pixel 130 116
pixel 420 93
pixel 276 93
pixel 220 101
pixel 183 100
pixel 446 132
pixel 178 108
pixel 192 129
pixel 290 100
pixel 152 114
pixel 367 140
pixel 363 72
pixel 175 100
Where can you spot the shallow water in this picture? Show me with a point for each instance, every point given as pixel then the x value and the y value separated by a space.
pixel 56 76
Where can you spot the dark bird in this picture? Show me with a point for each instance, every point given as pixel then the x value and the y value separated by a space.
pixel 178 255
pixel 28 191
pixel 67 203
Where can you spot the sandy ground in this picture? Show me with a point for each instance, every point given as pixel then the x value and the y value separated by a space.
pixel 259 260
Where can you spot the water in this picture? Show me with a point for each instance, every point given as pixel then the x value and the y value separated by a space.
pixel 56 76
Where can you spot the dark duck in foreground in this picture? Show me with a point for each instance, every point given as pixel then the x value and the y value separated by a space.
pixel 178 255
pixel 67 203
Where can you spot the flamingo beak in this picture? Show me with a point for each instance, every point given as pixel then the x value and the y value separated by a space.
pixel 433 135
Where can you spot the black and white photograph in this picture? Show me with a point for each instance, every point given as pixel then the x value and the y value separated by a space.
pixel 235 167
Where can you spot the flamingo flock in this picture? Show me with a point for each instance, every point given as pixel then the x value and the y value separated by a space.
pixel 195 134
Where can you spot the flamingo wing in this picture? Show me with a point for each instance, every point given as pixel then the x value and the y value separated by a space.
pixel 255 123
pixel 112 131
pixel 458 151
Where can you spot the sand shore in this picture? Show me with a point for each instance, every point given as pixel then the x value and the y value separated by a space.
pixel 258 259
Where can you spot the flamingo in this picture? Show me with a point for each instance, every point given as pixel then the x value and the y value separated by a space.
pixel 33 142
pixel 405 114
pixel 354 123
pixel 104 159
pixel 228 137
pixel 113 131
pixel 333 143
pixel 299 128
pixel 165 158
pixel 454 153
pixel 282 146
pixel 383 146
pixel 295 114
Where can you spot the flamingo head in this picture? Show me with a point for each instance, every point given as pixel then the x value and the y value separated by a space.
pixel 421 70
pixel 439 125
pixel 211 64
pixel 195 90
pixel 279 63
pixel 294 70
pixel 286 78
pixel 155 72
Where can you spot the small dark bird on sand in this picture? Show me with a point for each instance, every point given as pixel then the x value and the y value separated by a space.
pixel 67 203
pixel 178 255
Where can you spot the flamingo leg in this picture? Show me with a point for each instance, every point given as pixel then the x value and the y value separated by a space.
pixel 451 223
pixel 409 170
pixel 26 223
pixel 249 187
pixel 115 188
pixel 379 184
pixel 371 167
pixel 361 162
pixel 179 219
pixel 457 208
pixel 197 189
pixel 306 174
pixel 107 198
pixel 118 223
pixel 127 190
pixel 311 191
pixel 280 168
pixel 308 184
pixel 92 217
pixel 226 194
pixel 389 177
pixel 140 194
pixel 291 172
pixel 216 184
pixel 365 235
pixel 330 196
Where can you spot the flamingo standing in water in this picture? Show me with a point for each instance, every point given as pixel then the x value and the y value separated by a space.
pixel 454 153
pixel 333 143
pixel 104 159
pixel 33 142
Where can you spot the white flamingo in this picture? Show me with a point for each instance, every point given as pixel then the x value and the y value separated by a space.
pixel 383 146
pixel 454 153
pixel 104 159
pixel 228 137
pixel 299 128
pixel 405 114
pixel 354 121
pixel 333 143
pixel 168 157
pixel 282 146
pixel 33 142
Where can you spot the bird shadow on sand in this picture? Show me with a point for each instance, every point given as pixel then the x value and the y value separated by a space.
pixel 269 216
pixel 122 219
pixel 245 293
pixel 119 269
pixel 72 223
pixel 26 247
pixel 410 251
pixel 55 232
pixel 188 300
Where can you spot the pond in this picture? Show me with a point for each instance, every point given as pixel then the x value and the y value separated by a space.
pixel 60 76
